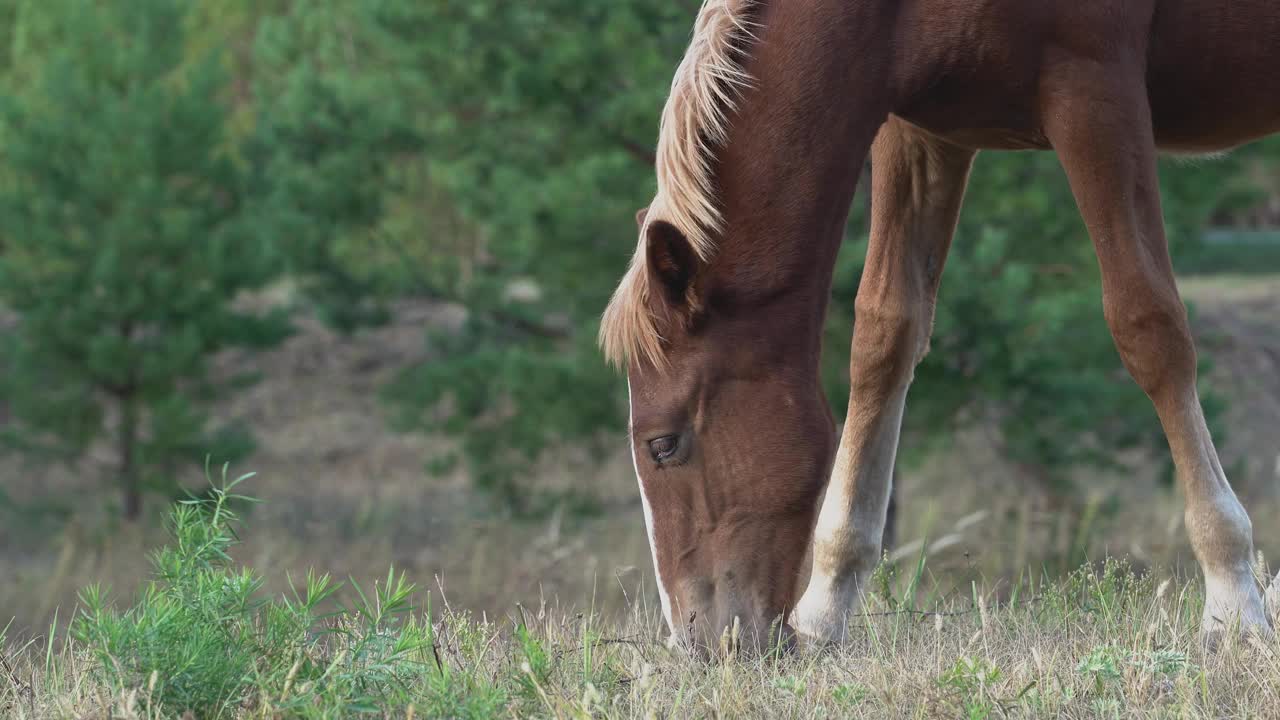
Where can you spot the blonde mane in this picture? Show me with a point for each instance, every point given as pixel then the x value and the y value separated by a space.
pixel 695 121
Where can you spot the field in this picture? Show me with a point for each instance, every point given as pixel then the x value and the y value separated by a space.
pixel 557 618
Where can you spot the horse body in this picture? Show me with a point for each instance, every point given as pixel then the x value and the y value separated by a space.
pixel 719 317
pixel 978 75
pixel 1214 73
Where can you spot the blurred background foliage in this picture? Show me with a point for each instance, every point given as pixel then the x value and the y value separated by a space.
pixel 160 158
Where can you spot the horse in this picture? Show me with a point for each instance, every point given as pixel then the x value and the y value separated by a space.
pixel 757 520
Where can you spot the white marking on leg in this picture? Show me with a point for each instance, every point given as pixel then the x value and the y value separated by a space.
pixel 1231 592
pixel 1232 598
pixel 851 522
pixel 648 517
pixel 1218 525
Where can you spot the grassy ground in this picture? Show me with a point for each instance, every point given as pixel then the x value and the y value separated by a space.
pixel 204 641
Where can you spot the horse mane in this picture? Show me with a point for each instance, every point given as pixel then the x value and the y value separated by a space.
pixel 695 121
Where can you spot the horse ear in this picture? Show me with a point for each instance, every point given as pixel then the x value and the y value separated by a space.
pixel 671 260
pixel 640 217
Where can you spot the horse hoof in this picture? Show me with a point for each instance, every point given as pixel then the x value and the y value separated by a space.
pixel 1217 633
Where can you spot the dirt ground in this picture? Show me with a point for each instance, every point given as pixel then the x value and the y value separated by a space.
pixel 346 495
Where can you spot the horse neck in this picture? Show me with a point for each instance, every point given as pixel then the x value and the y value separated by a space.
pixel 796 147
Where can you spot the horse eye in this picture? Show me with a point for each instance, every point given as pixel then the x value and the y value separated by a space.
pixel 664 447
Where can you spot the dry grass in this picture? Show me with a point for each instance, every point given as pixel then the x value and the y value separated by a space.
pixel 1100 643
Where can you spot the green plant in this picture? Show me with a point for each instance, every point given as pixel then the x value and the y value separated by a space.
pixel 201 637
pixel 1168 662
pixel 1102 666
pixel 969 682
pixel 849 695
pixel 791 684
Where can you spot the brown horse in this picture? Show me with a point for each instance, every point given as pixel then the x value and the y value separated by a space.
pixel 770 117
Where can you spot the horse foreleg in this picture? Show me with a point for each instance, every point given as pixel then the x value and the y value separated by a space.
pixel 918 184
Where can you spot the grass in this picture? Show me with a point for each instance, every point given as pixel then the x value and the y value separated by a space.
pixel 204 640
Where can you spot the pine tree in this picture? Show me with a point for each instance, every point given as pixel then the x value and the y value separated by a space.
pixel 127 234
